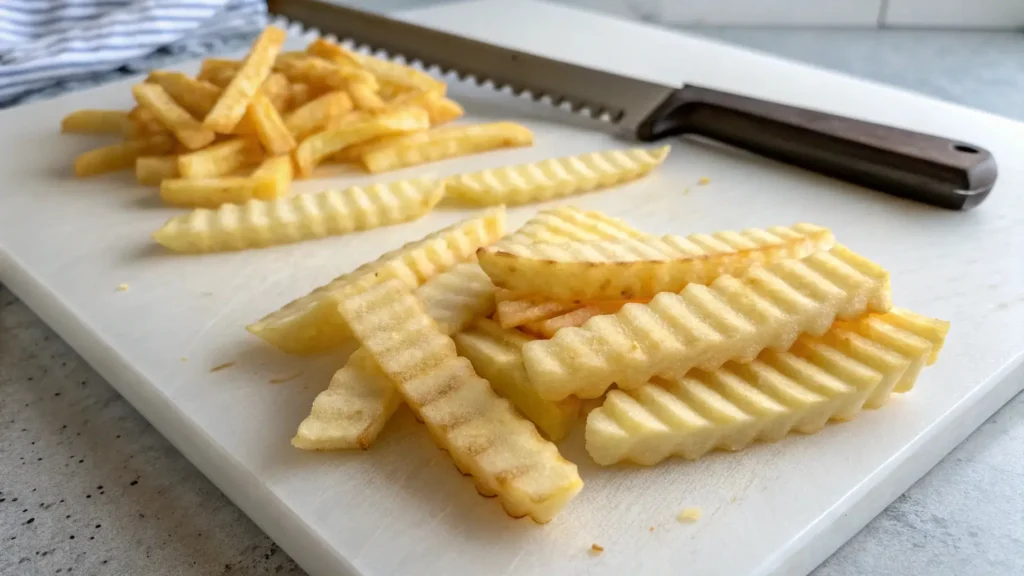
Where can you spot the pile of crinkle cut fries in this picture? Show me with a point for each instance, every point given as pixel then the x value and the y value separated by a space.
pixel 680 344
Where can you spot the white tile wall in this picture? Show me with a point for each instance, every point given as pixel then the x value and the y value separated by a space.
pixel 971 14
pixel 955 13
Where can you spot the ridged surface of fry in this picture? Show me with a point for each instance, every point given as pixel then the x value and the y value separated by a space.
pixel 300 217
pixel 632 268
pixel 311 323
pixel 706 325
pixel 854 365
pixel 482 432
pixel 555 178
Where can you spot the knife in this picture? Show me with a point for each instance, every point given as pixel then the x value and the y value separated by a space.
pixel 932 169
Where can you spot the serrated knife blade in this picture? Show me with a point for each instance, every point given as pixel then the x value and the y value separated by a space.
pixel 932 169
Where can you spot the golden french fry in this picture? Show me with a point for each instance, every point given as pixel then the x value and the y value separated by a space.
pixel 218 71
pixel 196 96
pixel 278 90
pixel 449 143
pixel 322 144
pixel 215 192
pixel 643 267
pixel 233 102
pixel 323 73
pixel 300 94
pixel 556 177
pixel 270 127
pixel 404 77
pixel 443 110
pixel 364 97
pixel 704 326
pixel 852 366
pixel 360 399
pixel 185 128
pixel 497 356
pixel 356 151
pixel 152 170
pixel 548 327
pixel 95 122
pixel 301 217
pixel 332 52
pixel 220 159
pixel 143 124
pixel 119 156
pixel 280 169
pixel 480 430
pixel 315 114
pixel 311 323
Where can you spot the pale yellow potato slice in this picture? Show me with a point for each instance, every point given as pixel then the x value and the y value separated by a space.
pixel 854 365
pixel 706 325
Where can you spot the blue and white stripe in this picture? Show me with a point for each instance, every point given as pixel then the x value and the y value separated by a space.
pixel 47 42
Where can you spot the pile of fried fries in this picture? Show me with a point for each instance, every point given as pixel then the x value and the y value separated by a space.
pixel 688 343
pixel 229 142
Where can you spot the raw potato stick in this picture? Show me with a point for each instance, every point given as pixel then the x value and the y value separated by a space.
pixel 311 323
pixel 360 399
pixel 854 365
pixel 705 326
pixel 633 268
pixel 301 217
pixel 482 432
pixel 554 178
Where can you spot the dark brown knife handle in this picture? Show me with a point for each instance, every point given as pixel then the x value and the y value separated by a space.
pixel 930 169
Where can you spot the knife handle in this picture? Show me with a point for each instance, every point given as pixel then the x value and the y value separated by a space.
pixel 930 169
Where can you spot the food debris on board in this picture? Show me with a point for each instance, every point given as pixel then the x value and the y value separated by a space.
pixel 689 515
pixel 575 316
pixel 223 366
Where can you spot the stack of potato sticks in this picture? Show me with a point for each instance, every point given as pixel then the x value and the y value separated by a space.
pixel 688 344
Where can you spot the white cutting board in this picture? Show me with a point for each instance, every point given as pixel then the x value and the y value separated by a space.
pixel 401 508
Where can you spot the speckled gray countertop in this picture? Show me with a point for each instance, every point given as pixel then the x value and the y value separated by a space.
pixel 87 486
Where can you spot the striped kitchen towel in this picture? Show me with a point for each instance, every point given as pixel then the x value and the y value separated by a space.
pixel 49 42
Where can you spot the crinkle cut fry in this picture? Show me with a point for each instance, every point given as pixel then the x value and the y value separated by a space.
pixel 855 365
pixel 359 400
pixel 311 324
pixel 260 223
pixel 481 431
pixel 636 268
pixel 497 355
pixel 555 177
pixel 704 326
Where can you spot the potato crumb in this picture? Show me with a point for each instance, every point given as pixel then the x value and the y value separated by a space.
pixel 596 548
pixel 223 366
pixel 689 515
pixel 652 528
pixel 122 287
pixel 704 180
pixel 183 359
pixel 686 190
pixel 284 379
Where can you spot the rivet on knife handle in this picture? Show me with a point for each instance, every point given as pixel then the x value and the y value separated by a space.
pixel 921 167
